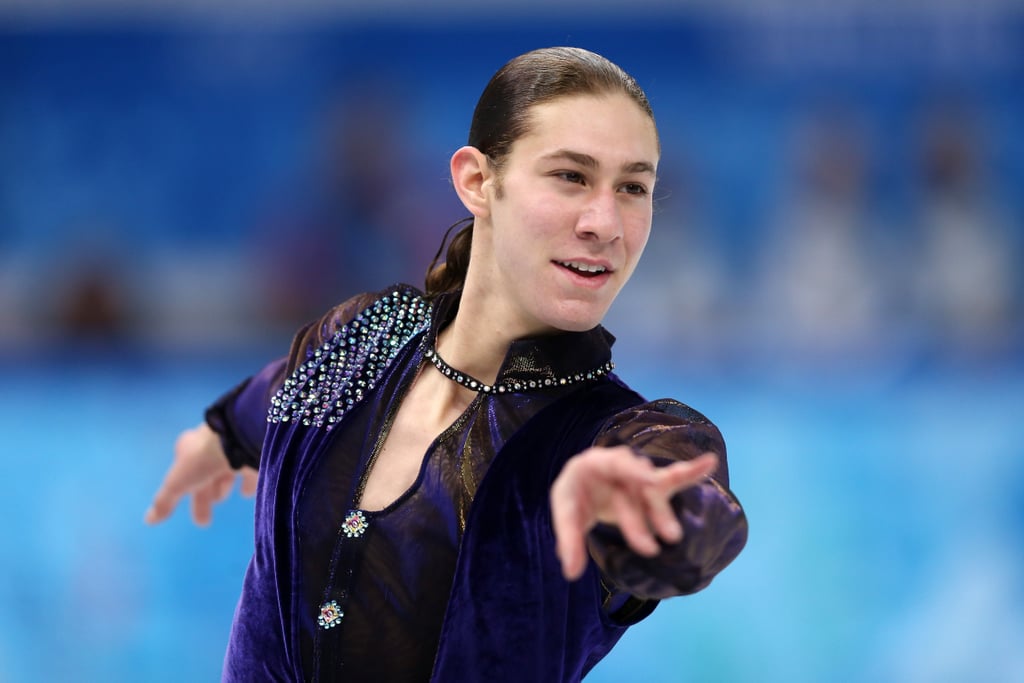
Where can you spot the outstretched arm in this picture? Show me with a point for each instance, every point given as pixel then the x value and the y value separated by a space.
pixel 650 504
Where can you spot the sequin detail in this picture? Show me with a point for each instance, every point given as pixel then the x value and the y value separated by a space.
pixel 513 385
pixel 330 615
pixel 355 524
pixel 338 374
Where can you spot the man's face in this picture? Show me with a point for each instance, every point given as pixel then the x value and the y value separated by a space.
pixel 571 213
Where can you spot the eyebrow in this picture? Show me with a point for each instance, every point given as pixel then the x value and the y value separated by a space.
pixel 588 161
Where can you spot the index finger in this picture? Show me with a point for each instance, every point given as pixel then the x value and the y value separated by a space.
pixel 570 525
pixel 680 475
pixel 166 499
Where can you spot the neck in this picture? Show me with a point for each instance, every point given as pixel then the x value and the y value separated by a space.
pixel 473 346
pixel 487 322
pixel 478 338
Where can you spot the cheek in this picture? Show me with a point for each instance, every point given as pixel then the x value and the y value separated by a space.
pixel 541 219
pixel 636 234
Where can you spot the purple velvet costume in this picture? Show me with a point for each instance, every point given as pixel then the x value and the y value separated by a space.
pixel 457 580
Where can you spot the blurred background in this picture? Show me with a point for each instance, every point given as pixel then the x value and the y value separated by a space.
pixel 834 278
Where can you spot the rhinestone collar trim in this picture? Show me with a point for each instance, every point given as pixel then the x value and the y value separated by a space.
pixel 512 386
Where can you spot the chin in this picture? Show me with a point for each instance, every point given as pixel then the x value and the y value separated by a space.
pixel 575 326
pixel 576 320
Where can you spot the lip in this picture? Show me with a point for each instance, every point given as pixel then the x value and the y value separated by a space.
pixel 592 281
pixel 588 261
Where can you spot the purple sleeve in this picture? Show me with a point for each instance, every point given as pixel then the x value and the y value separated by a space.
pixel 240 415
pixel 714 524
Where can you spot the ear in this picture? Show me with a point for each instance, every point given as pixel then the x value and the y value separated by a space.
pixel 472 176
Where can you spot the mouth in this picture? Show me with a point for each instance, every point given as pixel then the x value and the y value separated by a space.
pixel 588 270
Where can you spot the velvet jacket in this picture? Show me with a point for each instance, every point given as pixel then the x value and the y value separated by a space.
pixel 510 614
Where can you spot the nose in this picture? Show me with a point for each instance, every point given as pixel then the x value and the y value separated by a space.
pixel 601 218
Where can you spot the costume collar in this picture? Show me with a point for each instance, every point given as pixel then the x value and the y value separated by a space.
pixel 542 361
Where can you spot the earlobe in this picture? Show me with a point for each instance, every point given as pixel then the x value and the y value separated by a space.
pixel 471 175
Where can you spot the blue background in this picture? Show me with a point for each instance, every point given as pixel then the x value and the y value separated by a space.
pixel 161 178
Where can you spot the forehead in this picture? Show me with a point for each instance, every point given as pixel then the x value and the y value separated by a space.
pixel 609 126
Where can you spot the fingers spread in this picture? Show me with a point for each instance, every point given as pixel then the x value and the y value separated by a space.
pixel 199 468
pixel 619 487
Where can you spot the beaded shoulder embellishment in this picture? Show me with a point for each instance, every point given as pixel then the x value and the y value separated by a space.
pixel 338 374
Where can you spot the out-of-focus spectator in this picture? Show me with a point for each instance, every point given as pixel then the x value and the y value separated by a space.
pixel 93 305
pixel 963 259
pixel 85 294
pixel 680 297
pixel 821 284
pixel 362 218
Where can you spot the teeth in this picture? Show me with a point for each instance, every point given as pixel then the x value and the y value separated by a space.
pixel 583 267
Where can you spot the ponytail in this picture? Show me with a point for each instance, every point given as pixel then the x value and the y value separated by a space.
pixel 450 275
